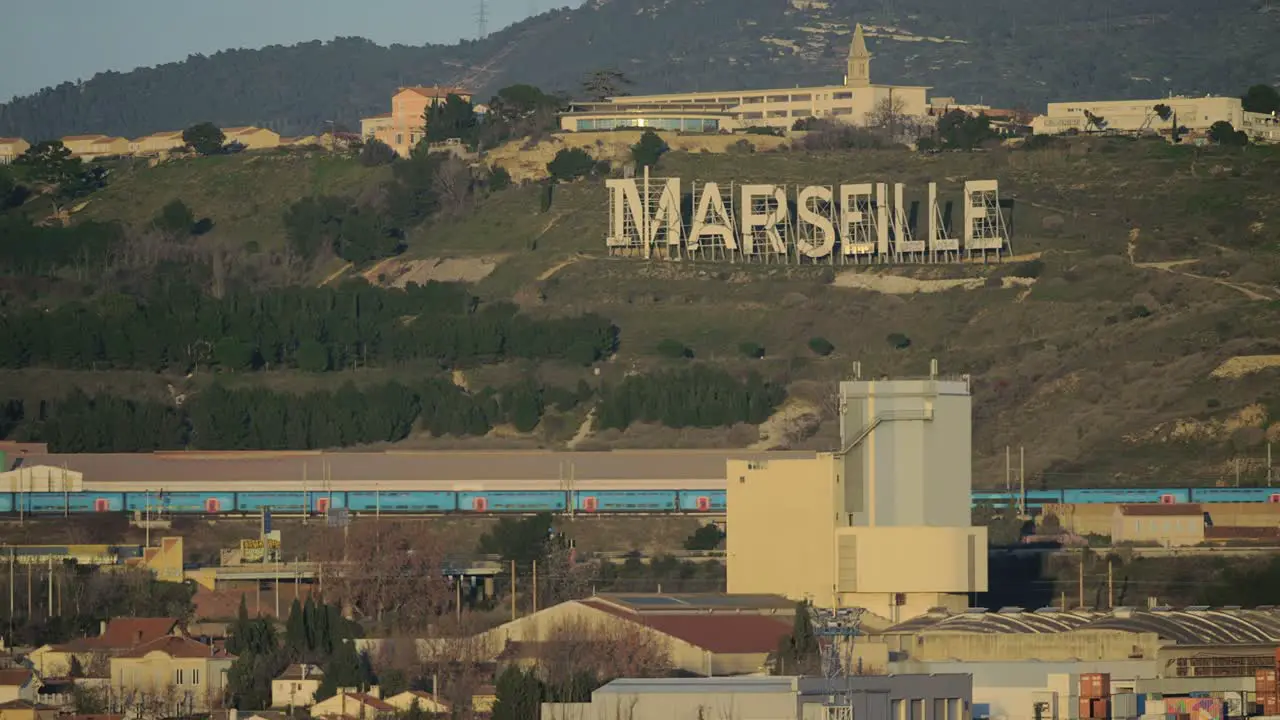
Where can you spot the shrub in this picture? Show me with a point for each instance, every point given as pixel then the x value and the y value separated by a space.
pixel 570 164
pixel 707 537
pixel 898 341
pixel 674 349
pixel 751 350
pixel 821 346
pixel 1028 269
pixel 375 152
pixel 835 135
pixel 499 178
pixel 650 148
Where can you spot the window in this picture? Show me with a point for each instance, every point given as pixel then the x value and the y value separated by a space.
pixel 842 96
pixel 733 100
pixel 177 677
pixel 777 98
pixel 917 710
pixel 705 100
pixel 752 116
pixel 752 100
pixel 195 677
pixel 399 138
pixel 939 709
pixel 586 125
pixel 842 111
pixel 801 98
pixel 800 113
pixel 777 113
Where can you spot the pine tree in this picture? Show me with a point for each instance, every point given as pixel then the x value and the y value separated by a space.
pixel 237 639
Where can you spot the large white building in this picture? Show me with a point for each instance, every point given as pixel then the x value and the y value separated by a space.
pixel 715 110
pixel 1196 114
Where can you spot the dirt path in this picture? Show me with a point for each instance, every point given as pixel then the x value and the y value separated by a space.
pixel 584 431
pixel 546 274
pixel 1171 266
pixel 336 274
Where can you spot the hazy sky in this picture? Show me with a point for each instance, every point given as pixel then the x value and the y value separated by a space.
pixel 44 42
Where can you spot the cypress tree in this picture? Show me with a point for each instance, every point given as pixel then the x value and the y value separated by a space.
pixel 295 633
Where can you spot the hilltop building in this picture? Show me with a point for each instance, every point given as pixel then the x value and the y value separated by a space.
pixel 405 125
pixel 713 111
pixel 11 148
pixel 1196 114
pixel 882 524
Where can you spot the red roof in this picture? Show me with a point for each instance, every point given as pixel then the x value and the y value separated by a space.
pixel 435 92
pixel 725 633
pixel 224 604
pixel 178 647
pixel 372 702
pixel 16 677
pixel 123 633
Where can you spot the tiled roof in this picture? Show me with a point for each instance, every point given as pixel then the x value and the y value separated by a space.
pixel 371 701
pixel 178 647
pixel 16 677
pixel 1157 510
pixel 421 695
pixel 224 604
pixel 10 140
pixel 294 672
pixel 122 634
pixel 383 116
pixel 77 138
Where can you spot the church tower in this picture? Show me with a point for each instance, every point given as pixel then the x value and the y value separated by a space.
pixel 859 71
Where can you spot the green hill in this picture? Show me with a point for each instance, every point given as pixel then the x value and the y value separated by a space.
pixel 999 52
pixel 1142 268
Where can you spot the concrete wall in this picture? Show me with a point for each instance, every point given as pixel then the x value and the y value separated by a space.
pixel 912 559
pixel 910 463
pixel 1196 114
pixel 1084 645
pixel 1097 519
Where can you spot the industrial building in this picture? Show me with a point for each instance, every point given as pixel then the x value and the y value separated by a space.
pixel 882 524
pixel 702 634
pixel 723 110
pixel 1196 114
pixel 884 697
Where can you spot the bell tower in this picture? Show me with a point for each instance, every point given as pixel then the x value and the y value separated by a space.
pixel 858 74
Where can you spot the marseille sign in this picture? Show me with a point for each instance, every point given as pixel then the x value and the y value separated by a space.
pixel 858 223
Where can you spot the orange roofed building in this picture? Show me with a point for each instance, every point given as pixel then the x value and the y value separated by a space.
pixel 405 125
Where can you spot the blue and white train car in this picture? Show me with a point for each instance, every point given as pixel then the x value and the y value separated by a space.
pixel 696 501
pixel 623 501
pixel 1119 496
pixel 55 503
pixel 513 501
pixel 182 502
pixel 416 501
pixel 1235 495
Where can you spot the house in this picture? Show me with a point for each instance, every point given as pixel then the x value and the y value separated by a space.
pixel 353 705
pixel 92 147
pixel 26 710
pixel 117 636
pixel 296 686
pixel 1167 525
pixel 178 673
pixel 10 149
pixel 405 125
pixel 253 138
pixel 159 143
pixel 483 698
pixel 19 684
pixel 426 702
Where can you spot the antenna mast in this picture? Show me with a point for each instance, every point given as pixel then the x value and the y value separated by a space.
pixel 836 630
pixel 482 19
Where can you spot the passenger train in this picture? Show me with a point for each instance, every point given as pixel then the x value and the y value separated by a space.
pixel 531 501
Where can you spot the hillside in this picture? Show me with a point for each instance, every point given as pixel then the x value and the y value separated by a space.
pixel 1133 339
pixel 995 51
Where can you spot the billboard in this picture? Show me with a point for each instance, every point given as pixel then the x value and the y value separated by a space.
pixel 848 224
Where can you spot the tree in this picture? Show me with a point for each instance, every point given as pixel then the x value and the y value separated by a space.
pixel 1223 133
pixel 890 118
pixel 374 152
pixel 204 138
pixel 752 350
pixel 799 652
pixel 821 346
pixel 175 220
pixel 49 162
pixel 1261 99
pixel 1164 112
pixel 295 632
pixel 499 179
pixel 898 341
pixel 674 349
pixel 959 130
pixel 570 164
pixel 453 118
pixel 523 541
pixel 707 537
pixel 647 151
pixel 313 356
pixel 518 695
pixel 604 84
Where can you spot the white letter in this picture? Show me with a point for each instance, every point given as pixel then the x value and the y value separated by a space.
pixel 711 218
pixel 826 240
pixel 624 202
pixel 856 228
pixel 668 215
pixel 768 221
pixel 882 219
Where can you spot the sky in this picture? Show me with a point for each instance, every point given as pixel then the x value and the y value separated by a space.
pixel 44 42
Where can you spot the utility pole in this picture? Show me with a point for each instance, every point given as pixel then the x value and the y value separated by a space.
pixel 49 614
pixel 1111 588
pixel 1081 578
pixel 1268 464
pixel 1008 472
pixel 513 590
pixel 1022 481
pixel 535 586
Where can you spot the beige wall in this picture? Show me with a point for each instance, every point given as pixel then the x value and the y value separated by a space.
pixel 783 107
pixel 341 704
pixel 296 692
pixel 9 151
pixel 677 706
pixel 9 693
pixel 256 138
pixel 56 663
pixel 1098 519
pixel 1167 530
pixel 100 146
pixel 1196 114
pixel 157 144
pixel 1085 645
pixel 784 519
pixel 202 681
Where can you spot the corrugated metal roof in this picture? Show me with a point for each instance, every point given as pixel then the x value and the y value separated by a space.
pixel 1207 626
pixel 712 685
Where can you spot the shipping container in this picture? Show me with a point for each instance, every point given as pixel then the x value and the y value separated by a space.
pixel 1095 685
pixel 1125 705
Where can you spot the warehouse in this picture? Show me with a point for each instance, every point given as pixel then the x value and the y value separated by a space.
pixel 697 634
pixel 883 697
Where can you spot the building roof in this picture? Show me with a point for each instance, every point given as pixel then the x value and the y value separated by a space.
pixel 224 603
pixel 15 677
pixel 1158 510
pixel 684 603
pixel 78 138
pixel 1199 625
pixel 178 647
pixel 410 695
pixel 294 672
pixel 720 632
pixel 371 701
pixel 858 45
pixel 10 140
pixel 122 634
pixel 712 685
pixel 163 470
pixel 383 116
pixel 434 92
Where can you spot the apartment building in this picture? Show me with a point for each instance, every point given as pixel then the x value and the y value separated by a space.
pixel 851 102
pixel 175 673
pixel 92 147
pixel 1196 114
pixel 405 125
pixel 11 148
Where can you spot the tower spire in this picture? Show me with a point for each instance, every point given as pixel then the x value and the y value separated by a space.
pixel 859 71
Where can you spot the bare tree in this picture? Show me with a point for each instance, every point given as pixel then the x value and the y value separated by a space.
pixel 454 184
pixel 612 649
pixel 890 118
